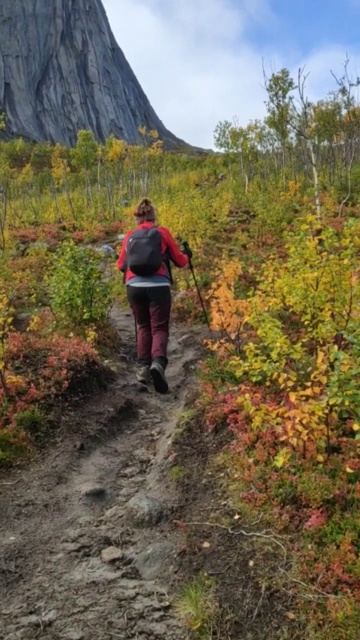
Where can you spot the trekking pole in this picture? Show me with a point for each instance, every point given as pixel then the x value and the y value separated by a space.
pixel 186 246
pixel 186 250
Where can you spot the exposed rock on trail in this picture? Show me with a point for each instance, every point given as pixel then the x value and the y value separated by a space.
pixel 87 544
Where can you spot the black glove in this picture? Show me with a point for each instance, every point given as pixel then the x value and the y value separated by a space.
pixel 186 249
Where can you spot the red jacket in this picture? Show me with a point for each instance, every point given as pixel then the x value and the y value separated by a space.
pixel 168 245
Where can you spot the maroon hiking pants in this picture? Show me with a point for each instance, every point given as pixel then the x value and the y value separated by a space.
pixel 151 308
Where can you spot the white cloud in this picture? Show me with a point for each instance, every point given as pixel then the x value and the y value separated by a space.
pixel 195 62
pixel 191 60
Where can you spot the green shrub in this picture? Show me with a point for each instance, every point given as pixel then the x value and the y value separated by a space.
pixel 80 295
pixel 32 421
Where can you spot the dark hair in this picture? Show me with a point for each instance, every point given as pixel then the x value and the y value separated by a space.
pixel 145 211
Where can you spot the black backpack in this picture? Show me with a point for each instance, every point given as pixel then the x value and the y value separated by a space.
pixel 143 251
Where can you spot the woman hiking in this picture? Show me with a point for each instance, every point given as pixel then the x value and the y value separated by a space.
pixel 145 259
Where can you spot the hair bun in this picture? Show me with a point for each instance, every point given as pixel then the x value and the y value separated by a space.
pixel 145 209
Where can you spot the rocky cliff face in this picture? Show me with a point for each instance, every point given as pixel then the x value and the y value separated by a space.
pixel 61 70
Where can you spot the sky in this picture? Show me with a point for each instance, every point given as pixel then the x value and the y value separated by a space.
pixel 201 61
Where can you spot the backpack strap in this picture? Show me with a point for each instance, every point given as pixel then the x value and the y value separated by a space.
pixel 125 259
pixel 167 263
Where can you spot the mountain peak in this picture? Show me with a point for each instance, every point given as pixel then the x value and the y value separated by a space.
pixel 61 70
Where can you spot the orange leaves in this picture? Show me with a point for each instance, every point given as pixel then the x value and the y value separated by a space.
pixel 228 313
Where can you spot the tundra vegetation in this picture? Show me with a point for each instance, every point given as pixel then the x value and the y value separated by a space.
pixel 274 223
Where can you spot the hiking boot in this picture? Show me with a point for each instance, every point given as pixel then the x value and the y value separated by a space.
pixel 157 373
pixel 143 375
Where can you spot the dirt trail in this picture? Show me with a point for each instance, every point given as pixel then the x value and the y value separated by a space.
pixel 88 546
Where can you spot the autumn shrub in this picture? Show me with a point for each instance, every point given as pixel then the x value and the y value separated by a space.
pixel 6 318
pixel 286 385
pixel 44 365
pixel 38 370
pixel 227 311
pixel 302 341
pixel 311 503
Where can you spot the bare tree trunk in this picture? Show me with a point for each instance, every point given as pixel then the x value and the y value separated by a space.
pixel 59 214
pixel 315 178
pixel 68 195
pixel 110 193
pixel 283 160
pixel 246 177
pixel 348 171
pixel 302 130
pixel 99 175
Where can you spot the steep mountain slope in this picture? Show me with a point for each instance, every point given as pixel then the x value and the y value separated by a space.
pixel 61 70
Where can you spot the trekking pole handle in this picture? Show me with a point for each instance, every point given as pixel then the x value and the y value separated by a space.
pixel 186 249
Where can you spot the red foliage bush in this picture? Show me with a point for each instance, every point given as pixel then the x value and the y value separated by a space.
pixel 39 369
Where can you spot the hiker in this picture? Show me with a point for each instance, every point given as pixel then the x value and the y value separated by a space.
pixel 144 259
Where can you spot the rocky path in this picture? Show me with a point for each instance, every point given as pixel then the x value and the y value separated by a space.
pixel 88 545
